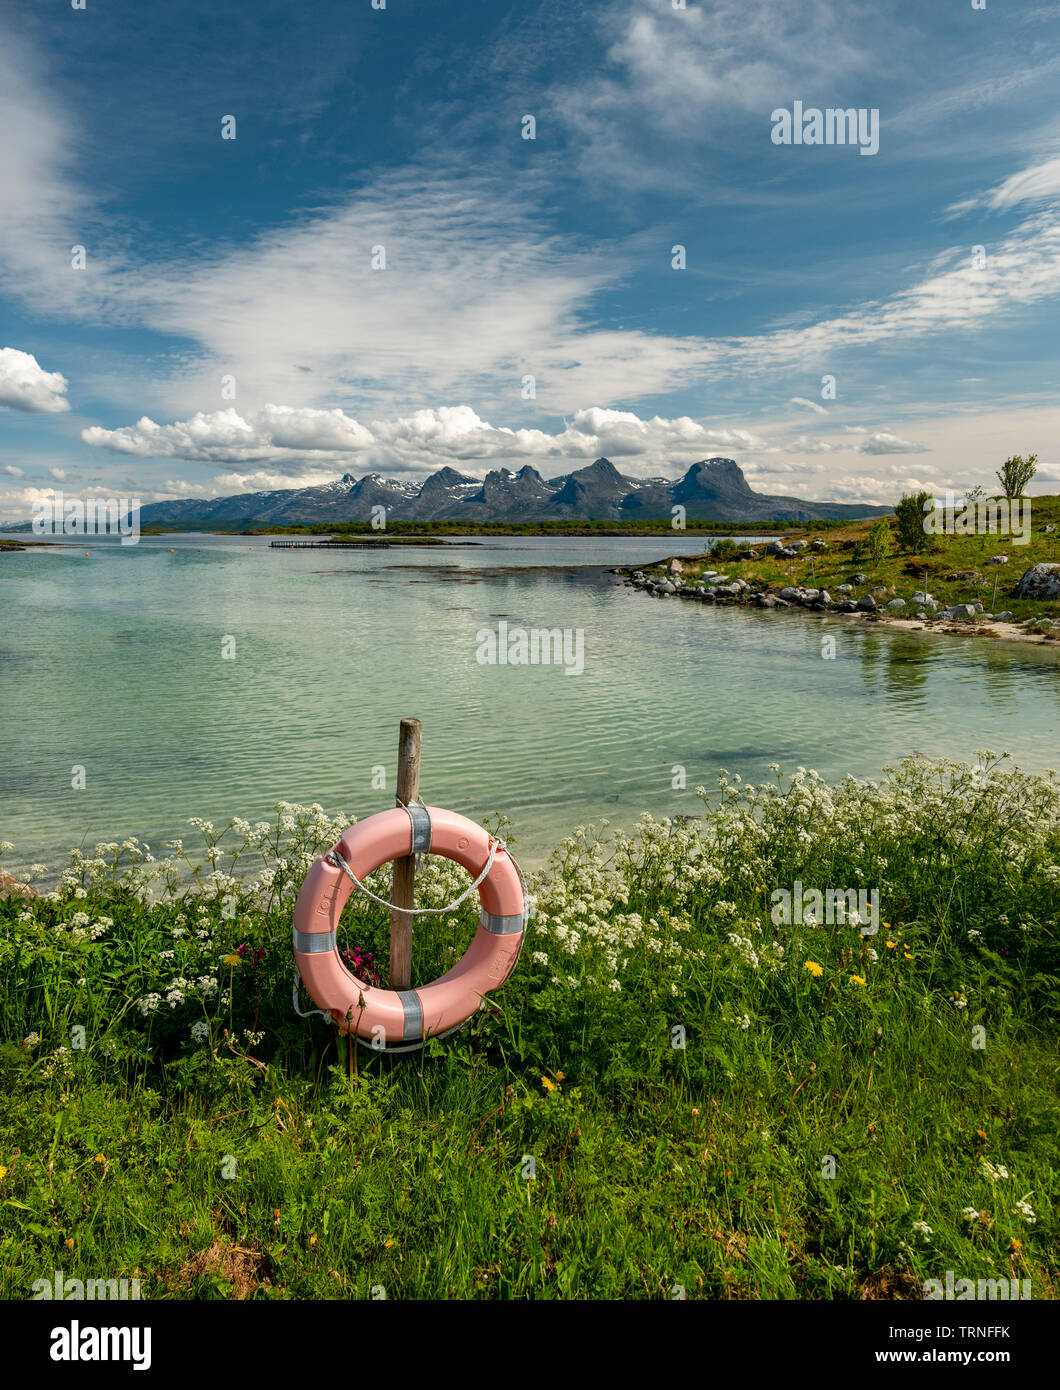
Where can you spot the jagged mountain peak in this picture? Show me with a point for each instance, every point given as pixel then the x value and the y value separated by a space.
pixel 446 477
pixel 712 489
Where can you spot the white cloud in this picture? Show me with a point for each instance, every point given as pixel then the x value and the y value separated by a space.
pixel 225 435
pixel 883 442
pixel 807 444
pixel 770 468
pixel 863 488
pixel 59 474
pixel 25 385
pixel 45 210
pixel 1039 183
pixel 416 442
pixel 809 405
pixel 12 471
pixel 16 504
pixel 259 481
pixel 673 77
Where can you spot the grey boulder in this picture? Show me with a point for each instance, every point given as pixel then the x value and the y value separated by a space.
pixel 1040 581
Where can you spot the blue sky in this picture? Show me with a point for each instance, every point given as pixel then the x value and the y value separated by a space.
pixel 229 331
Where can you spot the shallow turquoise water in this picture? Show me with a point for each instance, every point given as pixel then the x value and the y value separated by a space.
pixel 115 662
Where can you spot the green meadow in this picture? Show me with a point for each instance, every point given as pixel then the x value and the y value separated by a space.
pixel 674 1095
pixel 953 567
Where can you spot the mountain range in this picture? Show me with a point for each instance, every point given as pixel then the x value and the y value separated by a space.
pixel 712 490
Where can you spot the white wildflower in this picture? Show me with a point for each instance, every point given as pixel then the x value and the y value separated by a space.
pixel 995 1172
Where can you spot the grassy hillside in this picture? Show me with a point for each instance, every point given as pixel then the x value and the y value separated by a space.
pixel 900 573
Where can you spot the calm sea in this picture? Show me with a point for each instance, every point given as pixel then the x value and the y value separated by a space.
pixel 115 663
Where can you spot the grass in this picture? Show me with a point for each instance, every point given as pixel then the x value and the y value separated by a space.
pixel 652 1103
pixel 900 574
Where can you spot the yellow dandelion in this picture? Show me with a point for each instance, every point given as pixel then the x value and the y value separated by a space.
pixel 1016 1246
pixel 312 1242
pixel 99 1158
pixel 548 1085
pixel 981 1134
pixel 857 979
pixel 815 970
pixel 70 1243
pixel 907 955
pixel 3 1173
pixel 890 945
pixel 387 1244
pixel 560 1076
pixel 232 961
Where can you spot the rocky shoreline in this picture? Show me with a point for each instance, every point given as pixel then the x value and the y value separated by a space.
pixel 685 578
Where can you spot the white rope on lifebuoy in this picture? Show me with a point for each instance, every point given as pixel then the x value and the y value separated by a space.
pixel 339 862
pixel 324 1013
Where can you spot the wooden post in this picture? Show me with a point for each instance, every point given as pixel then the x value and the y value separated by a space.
pixel 408 790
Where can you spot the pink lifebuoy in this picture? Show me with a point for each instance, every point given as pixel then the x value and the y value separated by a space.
pixel 389 1017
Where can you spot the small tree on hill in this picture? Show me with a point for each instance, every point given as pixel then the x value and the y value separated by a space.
pixel 879 541
pixel 909 515
pixel 1015 473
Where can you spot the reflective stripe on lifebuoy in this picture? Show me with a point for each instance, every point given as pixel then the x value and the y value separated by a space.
pixel 409 1016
